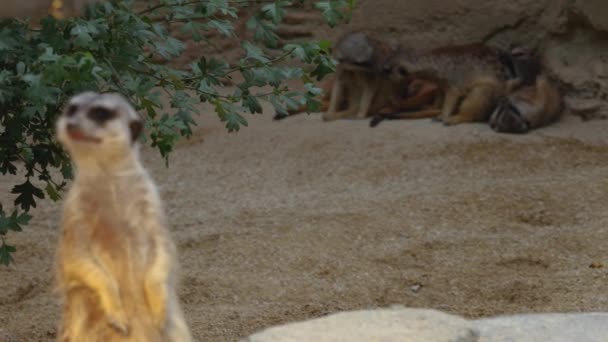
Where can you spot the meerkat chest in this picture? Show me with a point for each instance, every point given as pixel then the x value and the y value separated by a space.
pixel 114 218
pixel 118 200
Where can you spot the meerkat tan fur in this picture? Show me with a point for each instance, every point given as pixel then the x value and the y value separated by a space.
pixel 358 81
pixel 470 78
pixel 427 91
pixel 528 108
pixel 116 263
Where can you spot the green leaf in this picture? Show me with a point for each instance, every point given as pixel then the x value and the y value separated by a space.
pixel 27 191
pixel 169 48
pixel 278 106
pixel 334 11
pixel 228 113
pixel 324 66
pixel 13 222
pixel 290 100
pixel 312 89
pixel 217 5
pixel 195 29
pixel 325 46
pixel 275 11
pixel 6 252
pixel 66 171
pixel 252 103
pixel 4 223
pixel 52 192
pixel 254 52
pixel 265 31
pixel 49 56
pixel 222 26
pixel 7 42
pixel 82 33
pixel 20 68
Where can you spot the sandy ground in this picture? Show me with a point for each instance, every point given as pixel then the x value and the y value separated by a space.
pixel 296 219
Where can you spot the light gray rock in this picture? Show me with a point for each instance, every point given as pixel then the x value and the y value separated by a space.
pixel 383 325
pixel 577 327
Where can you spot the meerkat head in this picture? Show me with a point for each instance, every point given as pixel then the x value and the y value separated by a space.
pixel 397 67
pixel 354 47
pixel 507 118
pixel 522 63
pixel 94 124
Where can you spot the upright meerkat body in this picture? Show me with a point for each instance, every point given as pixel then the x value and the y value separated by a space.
pixel 359 82
pixel 116 263
pixel 528 108
pixel 471 80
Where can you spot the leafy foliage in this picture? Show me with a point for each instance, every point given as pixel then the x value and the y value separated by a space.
pixel 123 47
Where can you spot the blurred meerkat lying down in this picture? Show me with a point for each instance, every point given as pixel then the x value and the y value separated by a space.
pixel 116 262
pixel 527 108
pixel 471 80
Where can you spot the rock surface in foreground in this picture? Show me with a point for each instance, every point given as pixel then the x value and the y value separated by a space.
pixel 386 325
pixel 423 325
pixel 579 327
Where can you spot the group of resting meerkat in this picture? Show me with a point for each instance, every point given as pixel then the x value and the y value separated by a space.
pixel 452 84
pixel 116 264
pixel 359 87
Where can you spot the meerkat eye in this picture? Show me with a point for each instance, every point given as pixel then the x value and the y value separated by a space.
pixel 402 71
pixel 71 110
pixel 101 114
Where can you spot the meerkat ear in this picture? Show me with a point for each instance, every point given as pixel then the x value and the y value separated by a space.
pixel 135 126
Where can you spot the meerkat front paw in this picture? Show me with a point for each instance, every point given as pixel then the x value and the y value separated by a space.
pixel 158 309
pixel 119 322
pixel 157 296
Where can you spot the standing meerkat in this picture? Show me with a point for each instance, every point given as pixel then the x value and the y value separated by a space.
pixel 358 81
pixel 116 263
pixel 471 79
pixel 528 108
